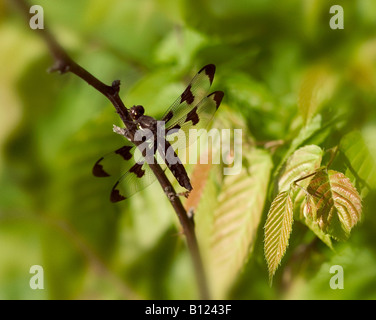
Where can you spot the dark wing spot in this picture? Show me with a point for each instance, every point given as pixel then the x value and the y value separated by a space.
pixel 98 169
pixel 218 96
pixel 193 116
pixel 187 95
pixel 209 71
pixel 115 194
pixel 168 117
pixel 125 152
pixel 137 170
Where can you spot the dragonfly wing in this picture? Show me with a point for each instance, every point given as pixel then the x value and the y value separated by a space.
pixel 138 177
pixel 198 118
pixel 197 89
pixel 114 162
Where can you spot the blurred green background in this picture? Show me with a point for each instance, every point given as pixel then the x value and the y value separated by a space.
pixel 271 59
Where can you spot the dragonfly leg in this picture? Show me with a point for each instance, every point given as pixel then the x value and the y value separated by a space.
pixel 183 194
pixel 118 130
pixel 172 195
pixel 122 131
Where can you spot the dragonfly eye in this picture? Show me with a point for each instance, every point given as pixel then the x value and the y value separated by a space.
pixel 137 111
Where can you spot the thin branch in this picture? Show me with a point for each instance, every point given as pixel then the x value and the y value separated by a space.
pixel 63 63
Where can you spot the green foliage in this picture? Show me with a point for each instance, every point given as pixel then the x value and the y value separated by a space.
pixel 303 94
pixel 278 227
pixel 236 217
pixel 326 201
pixel 336 205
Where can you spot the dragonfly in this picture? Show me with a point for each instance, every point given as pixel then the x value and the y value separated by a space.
pixel 193 109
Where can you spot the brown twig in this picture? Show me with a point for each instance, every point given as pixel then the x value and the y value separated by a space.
pixel 63 63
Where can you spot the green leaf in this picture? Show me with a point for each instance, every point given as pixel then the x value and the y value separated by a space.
pixel 361 165
pixel 179 47
pixel 308 213
pixel 305 133
pixel 236 219
pixel 301 163
pixel 317 86
pixel 338 204
pixel 278 228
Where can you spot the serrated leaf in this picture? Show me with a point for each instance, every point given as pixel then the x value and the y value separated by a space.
pixel 199 179
pixel 301 163
pixel 338 204
pixel 236 219
pixel 278 228
pixel 308 214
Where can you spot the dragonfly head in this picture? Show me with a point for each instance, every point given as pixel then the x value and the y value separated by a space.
pixel 136 112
